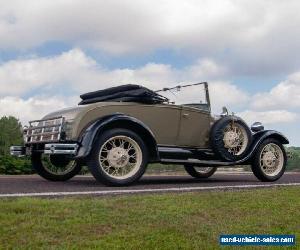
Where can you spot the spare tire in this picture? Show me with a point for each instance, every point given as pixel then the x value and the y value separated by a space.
pixel 230 138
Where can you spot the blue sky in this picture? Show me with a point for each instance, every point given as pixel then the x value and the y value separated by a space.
pixel 51 51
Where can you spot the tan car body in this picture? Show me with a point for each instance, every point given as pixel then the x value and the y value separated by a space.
pixel 172 125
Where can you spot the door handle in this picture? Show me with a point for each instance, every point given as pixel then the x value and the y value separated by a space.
pixel 185 115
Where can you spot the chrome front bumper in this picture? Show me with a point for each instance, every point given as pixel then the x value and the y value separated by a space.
pixel 50 149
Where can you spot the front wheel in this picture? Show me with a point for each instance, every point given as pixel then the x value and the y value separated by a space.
pixel 55 167
pixel 119 157
pixel 269 162
pixel 200 172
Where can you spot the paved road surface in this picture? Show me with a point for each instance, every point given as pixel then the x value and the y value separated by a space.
pixel 14 186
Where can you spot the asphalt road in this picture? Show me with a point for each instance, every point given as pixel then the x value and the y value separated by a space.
pixel 14 186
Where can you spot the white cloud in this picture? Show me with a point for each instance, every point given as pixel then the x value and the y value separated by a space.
pixel 32 108
pixel 204 68
pixel 78 72
pixel 255 33
pixel 284 95
pixel 227 94
pixel 268 117
pixel 22 75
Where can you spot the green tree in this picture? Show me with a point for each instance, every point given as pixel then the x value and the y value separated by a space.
pixel 10 133
pixel 294 158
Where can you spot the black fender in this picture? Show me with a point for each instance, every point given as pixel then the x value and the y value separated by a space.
pixel 258 138
pixel 262 135
pixel 117 120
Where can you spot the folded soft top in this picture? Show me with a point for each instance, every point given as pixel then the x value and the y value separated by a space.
pixel 123 93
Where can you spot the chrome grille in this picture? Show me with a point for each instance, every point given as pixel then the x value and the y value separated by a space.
pixel 48 130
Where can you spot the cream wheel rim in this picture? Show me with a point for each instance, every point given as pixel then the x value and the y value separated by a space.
pixel 235 138
pixel 271 159
pixel 120 157
pixel 57 170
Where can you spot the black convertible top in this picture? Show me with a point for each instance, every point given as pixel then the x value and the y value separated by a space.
pixel 123 93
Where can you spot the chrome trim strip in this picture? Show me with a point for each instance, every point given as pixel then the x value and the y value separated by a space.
pixel 47 119
pixel 58 148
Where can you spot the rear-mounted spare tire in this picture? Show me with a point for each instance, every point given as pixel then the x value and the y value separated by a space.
pixel 230 138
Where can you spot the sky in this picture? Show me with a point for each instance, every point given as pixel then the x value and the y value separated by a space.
pixel 248 51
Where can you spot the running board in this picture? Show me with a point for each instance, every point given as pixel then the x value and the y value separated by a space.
pixel 185 153
pixel 197 162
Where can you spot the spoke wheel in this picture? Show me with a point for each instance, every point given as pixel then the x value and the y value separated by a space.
pixel 271 159
pixel 120 157
pixel 200 172
pixel 269 162
pixel 55 168
pixel 235 138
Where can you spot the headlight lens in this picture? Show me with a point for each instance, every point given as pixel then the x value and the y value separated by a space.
pixel 67 128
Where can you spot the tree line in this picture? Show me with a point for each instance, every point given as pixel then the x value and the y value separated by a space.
pixel 294 158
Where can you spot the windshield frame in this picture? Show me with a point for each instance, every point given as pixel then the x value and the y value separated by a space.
pixel 207 97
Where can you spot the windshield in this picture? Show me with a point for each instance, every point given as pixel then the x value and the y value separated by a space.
pixel 193 96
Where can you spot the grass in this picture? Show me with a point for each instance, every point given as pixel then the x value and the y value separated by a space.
pixel 165 221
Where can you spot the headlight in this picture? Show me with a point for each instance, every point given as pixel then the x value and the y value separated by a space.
pixel 257 126
pixel 67 129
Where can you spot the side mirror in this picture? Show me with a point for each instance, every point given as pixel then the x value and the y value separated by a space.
pixel 257 126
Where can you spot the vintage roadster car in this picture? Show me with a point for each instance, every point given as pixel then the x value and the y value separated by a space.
pixel 118 131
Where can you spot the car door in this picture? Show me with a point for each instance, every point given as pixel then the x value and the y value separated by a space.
pixel 162 119
pixel 194 128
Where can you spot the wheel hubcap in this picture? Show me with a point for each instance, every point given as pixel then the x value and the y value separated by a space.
pixel 235 138
pixel 120 157
pixel 271 159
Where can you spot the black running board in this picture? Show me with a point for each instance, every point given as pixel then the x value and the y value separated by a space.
pixel 182 153
pixel 197 162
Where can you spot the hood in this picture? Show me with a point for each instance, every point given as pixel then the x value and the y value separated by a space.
pixel 75 112
pixel 68 113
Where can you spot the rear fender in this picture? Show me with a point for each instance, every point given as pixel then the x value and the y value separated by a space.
pixel 118 120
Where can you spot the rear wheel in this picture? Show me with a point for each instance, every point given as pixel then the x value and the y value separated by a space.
pixel 119 158
pixel 269 162
pixel 200 172
pixel 55 168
